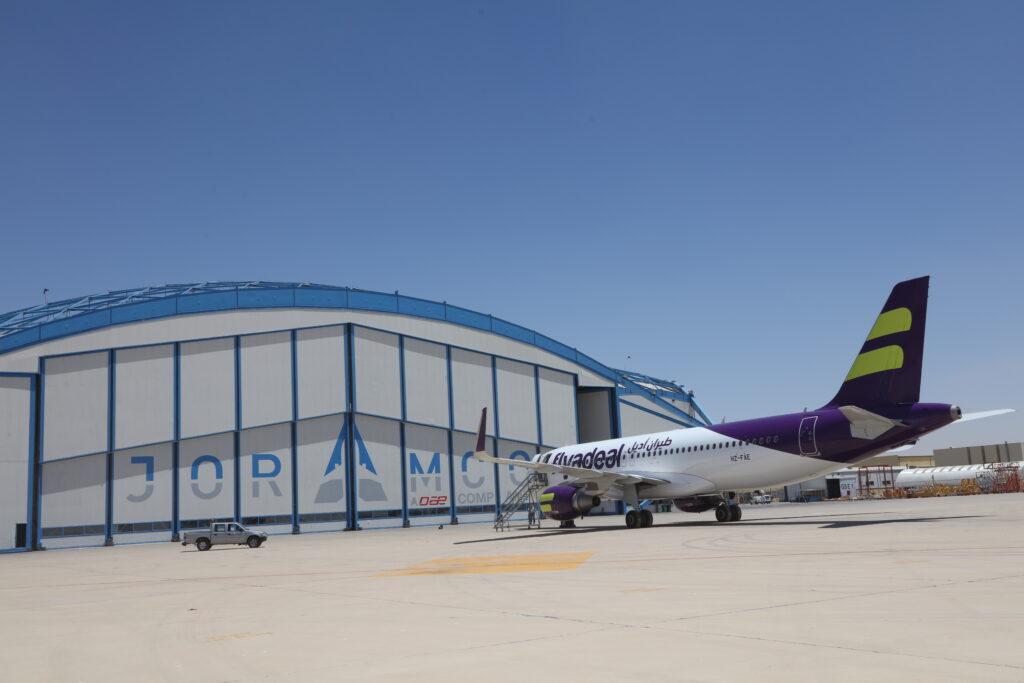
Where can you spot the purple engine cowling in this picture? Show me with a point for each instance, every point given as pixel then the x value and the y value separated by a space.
pixel 567 502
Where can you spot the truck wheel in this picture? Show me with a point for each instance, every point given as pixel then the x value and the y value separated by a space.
pixel 202 544
pixel 253 542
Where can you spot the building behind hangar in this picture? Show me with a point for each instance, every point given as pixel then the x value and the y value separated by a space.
pixel 130 415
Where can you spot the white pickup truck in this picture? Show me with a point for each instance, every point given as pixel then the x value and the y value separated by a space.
pixel 223 533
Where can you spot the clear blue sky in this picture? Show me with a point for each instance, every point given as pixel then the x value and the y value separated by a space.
pixel 724 192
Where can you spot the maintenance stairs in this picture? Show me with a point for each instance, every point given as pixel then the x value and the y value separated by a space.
pixel 526 496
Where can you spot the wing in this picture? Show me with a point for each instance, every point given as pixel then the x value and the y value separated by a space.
pixel 899 449
pixel 604 480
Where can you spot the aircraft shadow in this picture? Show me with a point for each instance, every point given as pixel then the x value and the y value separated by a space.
pixel 777 521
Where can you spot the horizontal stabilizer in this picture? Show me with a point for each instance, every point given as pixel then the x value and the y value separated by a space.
pixel 866 425
pixel 985 413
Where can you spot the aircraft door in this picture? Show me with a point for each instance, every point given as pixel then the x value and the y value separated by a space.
pixel 808 445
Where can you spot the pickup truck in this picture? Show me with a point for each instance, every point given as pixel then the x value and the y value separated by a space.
pixel 223 533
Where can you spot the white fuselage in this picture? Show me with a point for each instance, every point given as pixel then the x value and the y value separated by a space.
pixel 694 461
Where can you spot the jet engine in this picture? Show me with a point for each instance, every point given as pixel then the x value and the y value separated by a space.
pixel 695 504
pixel 567 502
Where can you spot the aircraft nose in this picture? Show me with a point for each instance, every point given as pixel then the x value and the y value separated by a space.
pixel 955 412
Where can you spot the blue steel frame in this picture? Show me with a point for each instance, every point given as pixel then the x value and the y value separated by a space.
pixel 238 428
pixel 175 455
pixel 497 435
pixel 108 493
pixel 451 430
pixel 295 431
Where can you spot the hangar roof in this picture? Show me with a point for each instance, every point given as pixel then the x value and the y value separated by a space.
pixel 57 319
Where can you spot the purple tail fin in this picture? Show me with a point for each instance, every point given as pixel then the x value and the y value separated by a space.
pixel 888 368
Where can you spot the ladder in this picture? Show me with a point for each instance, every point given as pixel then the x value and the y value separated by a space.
pixel 523 497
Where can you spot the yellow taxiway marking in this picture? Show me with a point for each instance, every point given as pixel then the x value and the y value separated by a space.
pixel 494 564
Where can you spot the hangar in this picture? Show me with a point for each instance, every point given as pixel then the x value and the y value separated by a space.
pixel 131 415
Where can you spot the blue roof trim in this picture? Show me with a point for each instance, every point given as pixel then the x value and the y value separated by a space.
pixel 408 305
pixel 512 330
pixel 464 316
pixel 202 303
pixel 69 326
pixel 266 298
pixel 373 301
pixel 320 298
pixel 147 310
pixel 29 326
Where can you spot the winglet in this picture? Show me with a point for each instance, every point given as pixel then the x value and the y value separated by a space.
pixel 481 438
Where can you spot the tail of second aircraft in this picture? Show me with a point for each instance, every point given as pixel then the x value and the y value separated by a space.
pixel 888 368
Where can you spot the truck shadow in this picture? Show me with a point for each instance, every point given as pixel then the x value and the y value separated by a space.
pixel 778 521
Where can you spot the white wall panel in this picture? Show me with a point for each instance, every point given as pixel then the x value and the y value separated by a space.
pixel 143 483
pixel 426 382
pixel 557 407
pixel 266 472
pixel 321 371
pixel 74 493
pixel 15 446
pixel 378 465
pixel 510 476
pixel 206 477
pixel 143 395
pixel 517 400
pixel 266 378
pixel 322 466
pixel 378 383
pixel 474 480
pixel 636 421
pixel 207 386
pixel 426 475
pixel 75 405
pixel 472 389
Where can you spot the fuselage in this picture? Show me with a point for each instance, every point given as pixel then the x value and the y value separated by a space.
pixel 751 454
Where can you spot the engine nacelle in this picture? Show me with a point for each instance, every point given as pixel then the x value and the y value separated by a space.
pixel 694 504
pixel 567 502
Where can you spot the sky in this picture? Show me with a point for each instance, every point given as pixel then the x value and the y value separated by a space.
pixel 720 194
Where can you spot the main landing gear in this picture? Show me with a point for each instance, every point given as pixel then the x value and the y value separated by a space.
pixel 729 510
pixel 641 519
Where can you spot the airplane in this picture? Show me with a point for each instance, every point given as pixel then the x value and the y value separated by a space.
pixel 876 410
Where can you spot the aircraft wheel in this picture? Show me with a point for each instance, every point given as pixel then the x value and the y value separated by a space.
pixel 567 524
pixel 632 519
pixel 737 513
pixel 723 513
pixel 646 519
